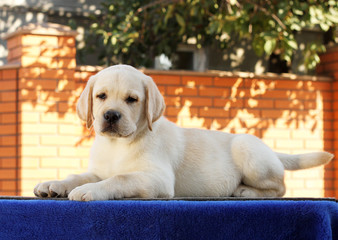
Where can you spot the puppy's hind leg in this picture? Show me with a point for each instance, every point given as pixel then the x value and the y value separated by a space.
pixel 262 172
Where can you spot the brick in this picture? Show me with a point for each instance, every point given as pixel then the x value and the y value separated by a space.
pixel 259 103
pixel 213 112
pixel 39 174
pixel 165 79
pixel 39 61
pixel 181 91
pixel 64 84
pixel 56 96
pixel 37 84
pixel 197 101
pixel 7 140
pixel 84 76
pixel 162 89
pixel 277 133
pixel 8 162
pixel 37 107
pixel 289 144
pixel 196 81
pixel 289 84
pixel 7 107
pixel 8 96
pixel 244 113
pixel 6 118
pixel 66 107
pixel 65 51
pixel 66 41
pixel 60 163
pixel 84 163
pixel 37 40
pixel 7 151
pixel 229 103
pixel 14 42
pixel 312 173
pixel 63 173
pixel 67 129
pixel 172 101
pixel 293 104
pixel 14 54
pixel 328 57
pixel 74 152
pixel 7 174
pixel 27 140
pixel 29 117
pixel 9 74
pixel 276 94
pixel 175 111
pixel 29 162
pixel 49 73
pixel 58 140
pixel 67 63
pixel 272 114
pixel 54 117
pixel 8 129
pixel 313 86
pixel 25 94
pixel 38 128
pixel 311 193
pixel 39 151
pixel 314 184
pixel 306 134
pixel 52 52
pixel 295 183
pixel 260 85
pixel 7 85
pixel 315 144
pixel 228 82
pixel 191 122
pixel 8 185
pixel 214 92
pixel 30 72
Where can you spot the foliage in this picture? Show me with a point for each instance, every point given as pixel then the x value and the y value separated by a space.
pixel 135 31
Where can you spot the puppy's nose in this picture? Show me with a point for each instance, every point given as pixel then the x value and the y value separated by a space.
pixel 112 116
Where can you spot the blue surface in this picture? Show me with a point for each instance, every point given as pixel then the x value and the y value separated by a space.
pixel 133 219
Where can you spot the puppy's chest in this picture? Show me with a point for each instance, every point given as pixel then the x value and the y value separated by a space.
pixel 107 160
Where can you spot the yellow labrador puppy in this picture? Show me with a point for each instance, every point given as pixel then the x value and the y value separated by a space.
pixel 138 153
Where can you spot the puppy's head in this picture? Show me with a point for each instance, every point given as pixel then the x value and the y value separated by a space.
pixel 119 101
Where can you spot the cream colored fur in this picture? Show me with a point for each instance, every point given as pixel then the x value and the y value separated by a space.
pixel 144 155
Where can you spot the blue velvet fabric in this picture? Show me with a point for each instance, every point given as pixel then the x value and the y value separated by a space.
pixel 173 219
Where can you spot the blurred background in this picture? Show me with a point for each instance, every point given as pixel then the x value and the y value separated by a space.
pixel 268 68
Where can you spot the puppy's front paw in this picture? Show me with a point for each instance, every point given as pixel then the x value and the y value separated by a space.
pixel 88 192
pixel 51 189
pixel 244 191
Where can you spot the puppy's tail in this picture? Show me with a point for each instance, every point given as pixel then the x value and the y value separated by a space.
pixel 303 161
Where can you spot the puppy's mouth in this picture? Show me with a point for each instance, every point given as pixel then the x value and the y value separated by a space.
pixel 113 131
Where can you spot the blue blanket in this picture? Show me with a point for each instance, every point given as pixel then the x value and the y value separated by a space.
pixel 173 219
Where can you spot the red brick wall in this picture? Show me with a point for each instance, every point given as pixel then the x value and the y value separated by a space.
pixel 42 138
pixel 329 67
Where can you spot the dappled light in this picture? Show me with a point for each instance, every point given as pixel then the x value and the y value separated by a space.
pixel 42 137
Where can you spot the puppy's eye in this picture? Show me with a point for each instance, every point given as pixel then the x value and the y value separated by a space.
pixel 101 96
pixel 130 100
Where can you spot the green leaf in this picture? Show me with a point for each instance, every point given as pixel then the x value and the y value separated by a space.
pixel 180 20
pixel 324 26
pixel 292 43
pixel 270 46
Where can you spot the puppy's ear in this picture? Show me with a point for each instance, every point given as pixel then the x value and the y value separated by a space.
pixel 84 106
pixel 154 102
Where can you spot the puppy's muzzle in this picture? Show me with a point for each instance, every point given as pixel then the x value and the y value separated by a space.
pixel 112 116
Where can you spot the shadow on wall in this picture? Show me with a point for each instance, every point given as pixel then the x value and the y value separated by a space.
pixel 244 104
pixel 48 83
